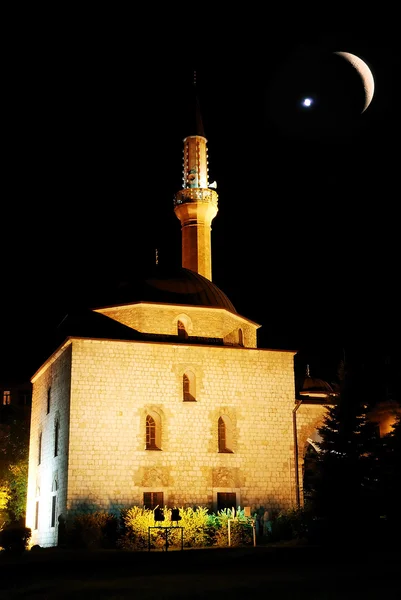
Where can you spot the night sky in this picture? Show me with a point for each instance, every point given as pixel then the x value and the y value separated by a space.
pixel 306 240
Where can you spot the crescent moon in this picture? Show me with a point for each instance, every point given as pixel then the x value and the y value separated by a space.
pixel 365 74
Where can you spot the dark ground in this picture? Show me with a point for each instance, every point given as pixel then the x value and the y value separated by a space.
pixel 254 572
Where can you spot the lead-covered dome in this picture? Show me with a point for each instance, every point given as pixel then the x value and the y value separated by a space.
pixel 177 286
pixel 313 387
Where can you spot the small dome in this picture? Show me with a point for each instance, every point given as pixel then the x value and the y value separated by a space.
pixel 313 386
pixel 177 286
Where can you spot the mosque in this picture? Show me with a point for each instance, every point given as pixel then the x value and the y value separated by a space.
pixel 163 397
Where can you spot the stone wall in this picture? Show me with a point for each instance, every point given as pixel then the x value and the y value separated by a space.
pixel 116 384
pixel 199 321
pixel 101 394
pixel 49 478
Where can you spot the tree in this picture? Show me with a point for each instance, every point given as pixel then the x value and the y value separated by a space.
pixel 14 448
pixel 344 488
pixel 390 462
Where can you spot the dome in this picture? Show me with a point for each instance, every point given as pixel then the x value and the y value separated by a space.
pixel 315 387
pixel 177 286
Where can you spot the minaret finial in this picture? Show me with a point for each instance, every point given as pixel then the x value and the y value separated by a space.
pixel 307 371
pixel 157 256
pixel 194 77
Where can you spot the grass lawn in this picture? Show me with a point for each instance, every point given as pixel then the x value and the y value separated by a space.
pixel 271 571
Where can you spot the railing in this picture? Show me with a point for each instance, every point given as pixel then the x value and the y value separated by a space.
pixel 196 195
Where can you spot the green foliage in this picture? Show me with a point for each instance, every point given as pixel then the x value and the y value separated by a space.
pixel 15 538
pixel 136 521
pixel 4 495
pixel 241 531
pixel 292 524
pixel 136 535
pixel 18 481
pixel 14 448
pixel 93 531
pixel 200 529
pixel 344 484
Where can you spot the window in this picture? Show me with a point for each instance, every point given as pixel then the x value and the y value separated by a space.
pixel 40 449
pixel 153 499
pixel 188 387
pixel 224 431
pixel 37 514
pixel 226 500
pixel 222 435
pixel 182 332
pixel 25 398
pixel 56 437
pixel 54 502
pixel 53 518
pixel 150 432
pixel 153 432
pixel 240 337
pixel 48 400
pixel 6 397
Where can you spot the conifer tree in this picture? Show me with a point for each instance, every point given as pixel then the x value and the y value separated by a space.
pixel 390 479
pixel 344 488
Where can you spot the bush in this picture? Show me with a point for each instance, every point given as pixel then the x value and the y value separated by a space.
pixel 15 538
pixel 200 529
pixel 136 522
pixel 137 536
pixel 288 525
pixel 93 531
pixel 241 530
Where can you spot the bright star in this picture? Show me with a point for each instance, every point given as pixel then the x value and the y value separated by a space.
pixel 307 102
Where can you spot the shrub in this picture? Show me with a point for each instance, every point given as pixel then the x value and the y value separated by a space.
pixel 15 538
pixel 136 521
pixel 290 525
pixel 138 536
pixel 241 531
pixel 200 529
pixel 93 531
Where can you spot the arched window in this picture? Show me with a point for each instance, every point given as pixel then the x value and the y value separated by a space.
pixel 153 432
pixel 56 437
pixel 150 433
pixel 240 337
pixel 36 526
pixel 224 435
pixel 40 449
pixel 188 387
pixel 54 504
pixel 48 400
pixel 182 332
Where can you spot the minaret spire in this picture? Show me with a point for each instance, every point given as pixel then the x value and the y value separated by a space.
pixel 196 204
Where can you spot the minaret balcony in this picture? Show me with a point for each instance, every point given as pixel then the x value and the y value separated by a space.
pixel 190 195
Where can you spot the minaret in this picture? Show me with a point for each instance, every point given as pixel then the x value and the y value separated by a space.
pixel 196 204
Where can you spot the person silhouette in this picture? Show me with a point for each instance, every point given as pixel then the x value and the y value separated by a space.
pixel 61 531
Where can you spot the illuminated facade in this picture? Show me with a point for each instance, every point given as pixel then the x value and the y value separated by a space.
pixel 163 397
